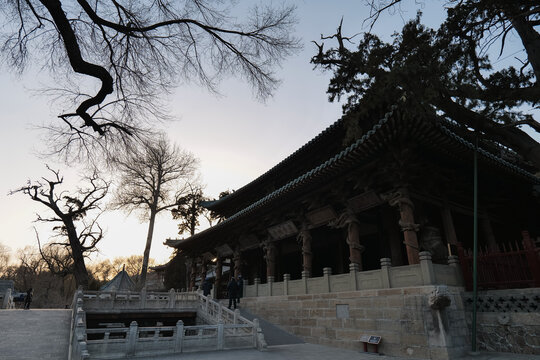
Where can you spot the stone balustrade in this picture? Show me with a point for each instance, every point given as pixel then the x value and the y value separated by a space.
pixel 225 329
pixel 425 273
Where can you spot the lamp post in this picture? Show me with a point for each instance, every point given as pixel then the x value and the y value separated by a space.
pixel 475 243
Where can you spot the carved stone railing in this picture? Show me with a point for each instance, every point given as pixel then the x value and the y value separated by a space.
pixel 225 329
pixel 425 273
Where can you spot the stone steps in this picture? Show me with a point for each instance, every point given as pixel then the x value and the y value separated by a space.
pixel 34 334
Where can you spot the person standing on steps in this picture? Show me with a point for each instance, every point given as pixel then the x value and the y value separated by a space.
pixel 232 289
pixel 28 298
pixel 207 287
pixel 240 291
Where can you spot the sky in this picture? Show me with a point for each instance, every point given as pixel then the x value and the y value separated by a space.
pixel 235 137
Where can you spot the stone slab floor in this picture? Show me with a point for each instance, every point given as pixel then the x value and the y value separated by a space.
pixel 34 334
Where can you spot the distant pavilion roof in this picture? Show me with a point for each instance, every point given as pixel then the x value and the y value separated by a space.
pixel 121 282
pixel 436 134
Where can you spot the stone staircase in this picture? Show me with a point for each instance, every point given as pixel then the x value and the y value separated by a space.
pixel 273 334
pixel 34 334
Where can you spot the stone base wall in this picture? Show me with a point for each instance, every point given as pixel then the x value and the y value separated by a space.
pixel 507 320
pixel 401 316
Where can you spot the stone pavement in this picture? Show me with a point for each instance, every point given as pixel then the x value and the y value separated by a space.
pixel 34 334
pixel 315 352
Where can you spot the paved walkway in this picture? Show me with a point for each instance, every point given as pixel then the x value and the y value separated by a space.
pixel 34 334
pixel 314 352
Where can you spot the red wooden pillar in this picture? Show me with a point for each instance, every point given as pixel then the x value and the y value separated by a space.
pixel 532 257
pixel 270 257
pixel 237 262
pixel 304 238
pixel 219 274
pixel 408 226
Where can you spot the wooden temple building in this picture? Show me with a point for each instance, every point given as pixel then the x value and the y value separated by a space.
pixel 391 208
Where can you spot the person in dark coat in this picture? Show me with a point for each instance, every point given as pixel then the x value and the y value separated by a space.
pixel 232 289
pixel 240 291
pixel 206 287
pixel 28 298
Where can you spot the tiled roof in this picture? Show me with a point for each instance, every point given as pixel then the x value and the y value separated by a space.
pixel 306 149
pixel 436 132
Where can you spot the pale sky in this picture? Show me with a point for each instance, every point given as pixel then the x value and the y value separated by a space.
pixel 235 137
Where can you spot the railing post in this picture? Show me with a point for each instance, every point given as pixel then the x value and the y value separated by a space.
pixel 132 338
pixel 179 337
pixel 532 257
pixel 326 275
pixel 256 283
pixel 386 264
pixel 353 274
pixel 428 275
pixel 453 261
pixel 172 298
pixel 269 284
pixel 260 343
pixel 7 299
pixel 143 298
pixel 113 299
pixel 220 333
pixel 286 278
pixel 305 276
pixel 83 350
pixel 235 319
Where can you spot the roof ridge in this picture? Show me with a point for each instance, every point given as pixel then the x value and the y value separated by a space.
pixel 328 129
pixel 302 177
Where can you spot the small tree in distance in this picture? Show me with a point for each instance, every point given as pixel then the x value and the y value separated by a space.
pixel 153 178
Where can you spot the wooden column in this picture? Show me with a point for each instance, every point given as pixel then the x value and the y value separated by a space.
pixel 304 238
pixel 532 258
pixel 448 226
pixel 192 274
pixel 394 237
pixel 270 257
pixel 401 199
pixel 219 274
pixel 204 269
pixel 487 231
pixel 353 240
pixel 237 262
pixel 348 220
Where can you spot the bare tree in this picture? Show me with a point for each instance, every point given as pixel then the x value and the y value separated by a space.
pixel 154 178
pixel 138 51
pixel 70 210
pixel 4 259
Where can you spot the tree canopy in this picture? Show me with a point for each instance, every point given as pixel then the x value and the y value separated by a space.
pixel 112 60
pixel 451 72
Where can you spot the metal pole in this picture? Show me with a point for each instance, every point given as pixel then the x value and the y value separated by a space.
pixel 475 244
